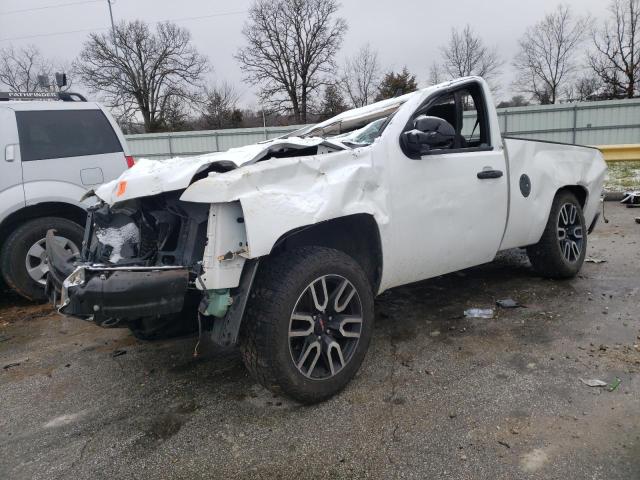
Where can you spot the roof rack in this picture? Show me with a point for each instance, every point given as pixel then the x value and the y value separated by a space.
pixel 64 96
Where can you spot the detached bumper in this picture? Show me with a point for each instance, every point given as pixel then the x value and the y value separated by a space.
pixel 113 292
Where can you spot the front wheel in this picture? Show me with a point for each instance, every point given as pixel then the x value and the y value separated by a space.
pixel 562 248
pixel 308 323
pixel 23 258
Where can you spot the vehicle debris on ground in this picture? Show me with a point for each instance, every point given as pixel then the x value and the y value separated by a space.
pixel 508 303
pixel 479 313
pixel 594 382
pixel 631 199
pixel 594 260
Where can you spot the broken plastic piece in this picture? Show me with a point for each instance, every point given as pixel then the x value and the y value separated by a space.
pixel 615 384
pixel 594 260
pixel 508 303
pixel 479 313
pixel 593 382
pixel 631 199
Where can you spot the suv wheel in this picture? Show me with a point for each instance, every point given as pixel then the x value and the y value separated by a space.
pixel 562 248
pixel 308 323
pixel 23 259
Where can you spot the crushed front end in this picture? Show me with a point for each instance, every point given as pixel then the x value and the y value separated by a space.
pixel 146 259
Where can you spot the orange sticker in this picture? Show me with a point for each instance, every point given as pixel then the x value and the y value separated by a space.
pixel 122 187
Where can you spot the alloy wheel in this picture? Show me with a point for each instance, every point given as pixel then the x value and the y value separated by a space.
pixel 570 234
pixel 36 260
pixel 325 327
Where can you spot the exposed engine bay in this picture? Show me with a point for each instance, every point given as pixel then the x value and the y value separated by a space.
pixel 138 265
pixel 149 231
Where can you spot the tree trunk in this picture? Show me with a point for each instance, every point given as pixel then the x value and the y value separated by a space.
pixel 146 117
pixel 303 113
pixel 295 107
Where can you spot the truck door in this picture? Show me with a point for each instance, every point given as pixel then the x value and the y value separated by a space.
pixel 65 152
pixel 11 190
pixel 453 205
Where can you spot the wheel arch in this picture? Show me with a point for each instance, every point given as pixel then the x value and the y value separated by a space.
pixel 579 191
pixel 40 210
pixel 356 235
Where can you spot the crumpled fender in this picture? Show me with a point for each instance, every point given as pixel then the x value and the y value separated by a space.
pixel 151 177
pixel 280 195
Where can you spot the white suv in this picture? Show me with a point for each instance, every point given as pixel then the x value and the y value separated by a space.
pixel 51 153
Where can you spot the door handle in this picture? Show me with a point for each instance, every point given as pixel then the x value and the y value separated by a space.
pixel 484 174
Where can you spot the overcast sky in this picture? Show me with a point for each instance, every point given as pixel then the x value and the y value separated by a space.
pixel 405 32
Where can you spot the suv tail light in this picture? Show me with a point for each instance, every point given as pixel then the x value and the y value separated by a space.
pixel 130 161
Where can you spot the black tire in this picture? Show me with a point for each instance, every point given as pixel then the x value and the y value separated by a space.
pixel 265 334
pixel 13 256
pixel 548 256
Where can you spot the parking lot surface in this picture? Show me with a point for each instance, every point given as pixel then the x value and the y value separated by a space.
pixel 439 395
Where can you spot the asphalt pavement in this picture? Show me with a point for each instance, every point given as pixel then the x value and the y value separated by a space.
pixel 439 395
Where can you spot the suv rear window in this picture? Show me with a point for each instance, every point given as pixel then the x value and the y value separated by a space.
pixel 65 133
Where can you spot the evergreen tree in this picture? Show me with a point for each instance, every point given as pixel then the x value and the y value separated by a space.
pixel 395 84
pixel 333 102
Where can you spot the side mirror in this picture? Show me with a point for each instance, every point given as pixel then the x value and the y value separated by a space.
pixel 429 133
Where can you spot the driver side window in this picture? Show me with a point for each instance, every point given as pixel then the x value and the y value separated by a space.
pixel 460 109
pixel 454 121
pixel 473 131
pixel 445 108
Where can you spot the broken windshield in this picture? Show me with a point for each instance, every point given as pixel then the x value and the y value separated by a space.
pixel 355 128
pixel 362 136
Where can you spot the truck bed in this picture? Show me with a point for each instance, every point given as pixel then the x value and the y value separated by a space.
pixel 546 167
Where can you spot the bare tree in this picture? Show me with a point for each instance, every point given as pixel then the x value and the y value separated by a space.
pixel 361 76
pixel 220 106
pixel 291 49
pixel 144 72
pixel 20 69
pixel 546 62
pixel 616 58
pixel 435 74
pixel 466 55
pixel 586 87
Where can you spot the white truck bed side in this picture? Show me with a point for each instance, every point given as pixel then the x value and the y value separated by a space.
pixel 549 166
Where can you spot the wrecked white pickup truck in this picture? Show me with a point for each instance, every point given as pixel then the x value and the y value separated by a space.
pixel 285 243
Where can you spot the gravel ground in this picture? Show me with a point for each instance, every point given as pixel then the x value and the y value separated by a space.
pixel 439 396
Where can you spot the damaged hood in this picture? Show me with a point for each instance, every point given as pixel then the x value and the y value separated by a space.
pixel 151 177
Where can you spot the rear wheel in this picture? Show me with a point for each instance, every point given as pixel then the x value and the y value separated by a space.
pixel 23 259
pixel 308 323
pixel 561 250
